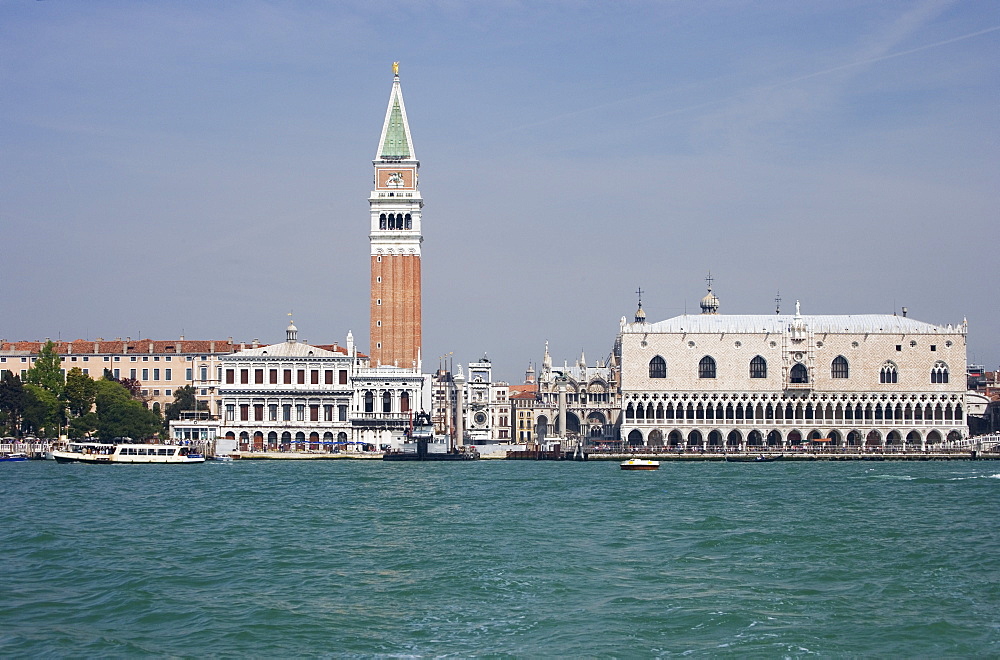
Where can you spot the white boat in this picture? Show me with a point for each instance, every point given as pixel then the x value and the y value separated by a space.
pixel 96 452
pixel 640 464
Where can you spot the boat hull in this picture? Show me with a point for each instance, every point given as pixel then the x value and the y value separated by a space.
pixel 639 465
pixel 754 459
pixel 105 459
pixel 429 457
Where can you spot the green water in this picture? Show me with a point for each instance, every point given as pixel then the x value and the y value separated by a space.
pixel 527 559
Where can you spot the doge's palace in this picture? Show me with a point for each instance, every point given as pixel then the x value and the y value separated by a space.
pixel 717 380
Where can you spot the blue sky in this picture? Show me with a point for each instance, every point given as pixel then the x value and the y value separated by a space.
pixel 203 168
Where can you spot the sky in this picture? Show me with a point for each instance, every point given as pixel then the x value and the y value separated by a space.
pixel 203 169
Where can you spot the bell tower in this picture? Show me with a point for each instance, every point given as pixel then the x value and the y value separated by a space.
pixel 395 238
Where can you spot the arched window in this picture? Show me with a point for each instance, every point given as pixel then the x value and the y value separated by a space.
pixel 409 222
pixel 939 374
pixel 369 402
pixel 888 373
pixel 381 221
pixel 758 367
pixel 386 402
pixel 657 367
pixel 706 368
pixel 404 402
pixel 840 368
pixel 799 373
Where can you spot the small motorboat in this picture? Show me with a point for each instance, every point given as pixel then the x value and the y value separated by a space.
pixel 15 457
pixel 640 464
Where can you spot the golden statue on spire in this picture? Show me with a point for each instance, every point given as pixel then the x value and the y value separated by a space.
pixel 395 68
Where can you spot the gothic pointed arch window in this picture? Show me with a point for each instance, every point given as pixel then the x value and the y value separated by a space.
pixel 840 368
pixel 706 368
pixel 758 367
pixel 939 373
pixel 888 373
pixel 657 367
pixel 799 374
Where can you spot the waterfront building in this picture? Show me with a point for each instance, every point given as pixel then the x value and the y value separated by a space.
pixel 395 238
pixel 288 396
pixel 487 409
pixel 486 412
pixel 522 405
pixel 713 380
pixel 577 402
pixel 385 400
pixel 160 366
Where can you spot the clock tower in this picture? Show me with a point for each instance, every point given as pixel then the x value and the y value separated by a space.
pixel 395 238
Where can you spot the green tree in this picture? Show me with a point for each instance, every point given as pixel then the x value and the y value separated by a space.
pixel 184 400
pixel 127 419
pixel 108 392
pixel 119 415
pixel 12 401
pixel 43 411
pixel 82 426
pixel 47 370
pixel 80 392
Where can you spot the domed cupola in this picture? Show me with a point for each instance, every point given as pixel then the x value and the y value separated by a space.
pixel 710 303
pixel 640 316
pixel 291 333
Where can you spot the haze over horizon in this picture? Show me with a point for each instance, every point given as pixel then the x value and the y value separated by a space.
pixel 204 170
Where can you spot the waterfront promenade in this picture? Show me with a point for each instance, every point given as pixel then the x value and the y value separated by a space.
pixel 978 451
pixel 837 454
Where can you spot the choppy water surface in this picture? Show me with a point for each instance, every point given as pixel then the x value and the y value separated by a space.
pixel 363 558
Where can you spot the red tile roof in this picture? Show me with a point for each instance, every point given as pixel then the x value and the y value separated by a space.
pixel 122 347
pixel 144 347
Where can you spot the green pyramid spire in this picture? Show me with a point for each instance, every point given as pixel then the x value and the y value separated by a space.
pixel 395 145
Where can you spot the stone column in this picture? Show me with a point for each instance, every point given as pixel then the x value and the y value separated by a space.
pixel 562 409
pixel 459 408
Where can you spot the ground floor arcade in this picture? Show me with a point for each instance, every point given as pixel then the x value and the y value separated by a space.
pixel 749 437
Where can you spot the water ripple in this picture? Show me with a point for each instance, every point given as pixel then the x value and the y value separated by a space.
pixel 348 559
